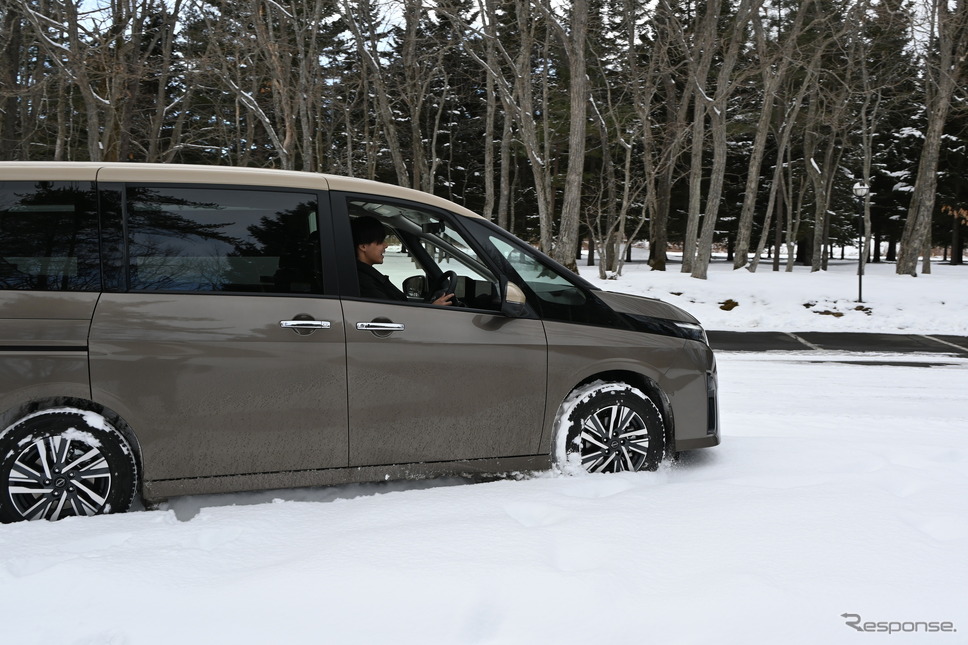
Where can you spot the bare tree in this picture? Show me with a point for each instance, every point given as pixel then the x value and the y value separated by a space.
pixel 701 51
pixel 621 185
pixel 573 41
pixel 12 68
pixel 881 86
pixel 513 75
pixel 774 57
pixel 780 198
pixel 363 22
pixel 490 128
pixel 726 84
pixel 825 131
pixel 422 65
pixel 944 70
pixel 664 142
pixel 105 53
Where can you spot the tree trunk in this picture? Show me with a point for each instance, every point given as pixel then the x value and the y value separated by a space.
pixel 725 84
pixel 11 34
pixel 773 71
pixel 578 94
pixel 941 79
pixel 490 118
pixel 695 185
pixel 368 49
pixel 704 47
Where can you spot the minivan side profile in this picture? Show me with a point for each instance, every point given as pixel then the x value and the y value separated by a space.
pixel 169 330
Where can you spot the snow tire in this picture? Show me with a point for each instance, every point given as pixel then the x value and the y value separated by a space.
pixel 64 462
pixel 608 427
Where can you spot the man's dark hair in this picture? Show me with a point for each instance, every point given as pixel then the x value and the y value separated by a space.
pixel 367 230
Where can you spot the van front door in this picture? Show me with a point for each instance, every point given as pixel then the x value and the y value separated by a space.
pixel 446 384
pixel 433 383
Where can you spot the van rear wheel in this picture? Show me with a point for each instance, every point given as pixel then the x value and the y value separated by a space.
pixel 63 463
pixel 609 427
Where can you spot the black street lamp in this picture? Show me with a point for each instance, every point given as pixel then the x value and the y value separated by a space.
pixel 860 189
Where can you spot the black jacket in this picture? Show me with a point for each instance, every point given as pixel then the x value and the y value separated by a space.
pixel 374 284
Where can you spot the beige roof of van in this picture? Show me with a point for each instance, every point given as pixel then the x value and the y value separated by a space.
pixel 195 174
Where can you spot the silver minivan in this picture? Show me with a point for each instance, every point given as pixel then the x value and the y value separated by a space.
pixel 169 330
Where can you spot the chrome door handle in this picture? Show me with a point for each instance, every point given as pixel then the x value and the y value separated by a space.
pixel 379 326
pixel 304 324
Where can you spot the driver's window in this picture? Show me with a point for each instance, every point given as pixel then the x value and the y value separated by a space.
pixel 451 252
pixel 396 263
pixel 421 246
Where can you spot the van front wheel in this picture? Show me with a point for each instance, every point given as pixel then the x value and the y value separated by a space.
pixel 608 427
pixel 62 463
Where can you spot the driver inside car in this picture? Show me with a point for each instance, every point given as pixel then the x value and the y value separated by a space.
pixel 369 240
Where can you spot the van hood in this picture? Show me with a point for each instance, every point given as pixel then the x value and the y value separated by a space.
pixel 638 305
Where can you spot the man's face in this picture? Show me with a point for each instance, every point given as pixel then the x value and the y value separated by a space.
pixel 371 253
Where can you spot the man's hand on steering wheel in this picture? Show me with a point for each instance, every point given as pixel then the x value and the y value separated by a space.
pixel 444 293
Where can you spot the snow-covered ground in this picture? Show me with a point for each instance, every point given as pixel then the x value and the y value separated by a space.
pixel 840 488
pixel 935 303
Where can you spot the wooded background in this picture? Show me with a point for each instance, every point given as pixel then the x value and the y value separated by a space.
pixel 740 124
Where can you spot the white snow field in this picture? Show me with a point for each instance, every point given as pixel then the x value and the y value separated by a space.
pixel 935 303
pixel 841 487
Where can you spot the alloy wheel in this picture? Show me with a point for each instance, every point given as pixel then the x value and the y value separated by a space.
pixel 57 476
pixel 613 439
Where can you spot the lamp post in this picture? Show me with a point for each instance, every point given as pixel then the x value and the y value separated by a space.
pixel 860 189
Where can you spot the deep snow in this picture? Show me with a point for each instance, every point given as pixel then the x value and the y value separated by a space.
pixel 839 489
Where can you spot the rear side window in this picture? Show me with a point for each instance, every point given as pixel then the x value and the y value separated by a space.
pixel 49 236
pixel 222 239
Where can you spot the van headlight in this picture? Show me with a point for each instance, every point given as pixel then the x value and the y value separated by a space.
pixel 665 327
pixel 692 331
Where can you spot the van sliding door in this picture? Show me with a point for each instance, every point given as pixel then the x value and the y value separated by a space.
pixel 220 345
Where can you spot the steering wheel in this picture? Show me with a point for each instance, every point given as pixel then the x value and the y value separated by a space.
pixel 446 284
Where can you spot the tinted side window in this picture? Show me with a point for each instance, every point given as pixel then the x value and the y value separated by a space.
pixel 49 236
pixel 222 239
